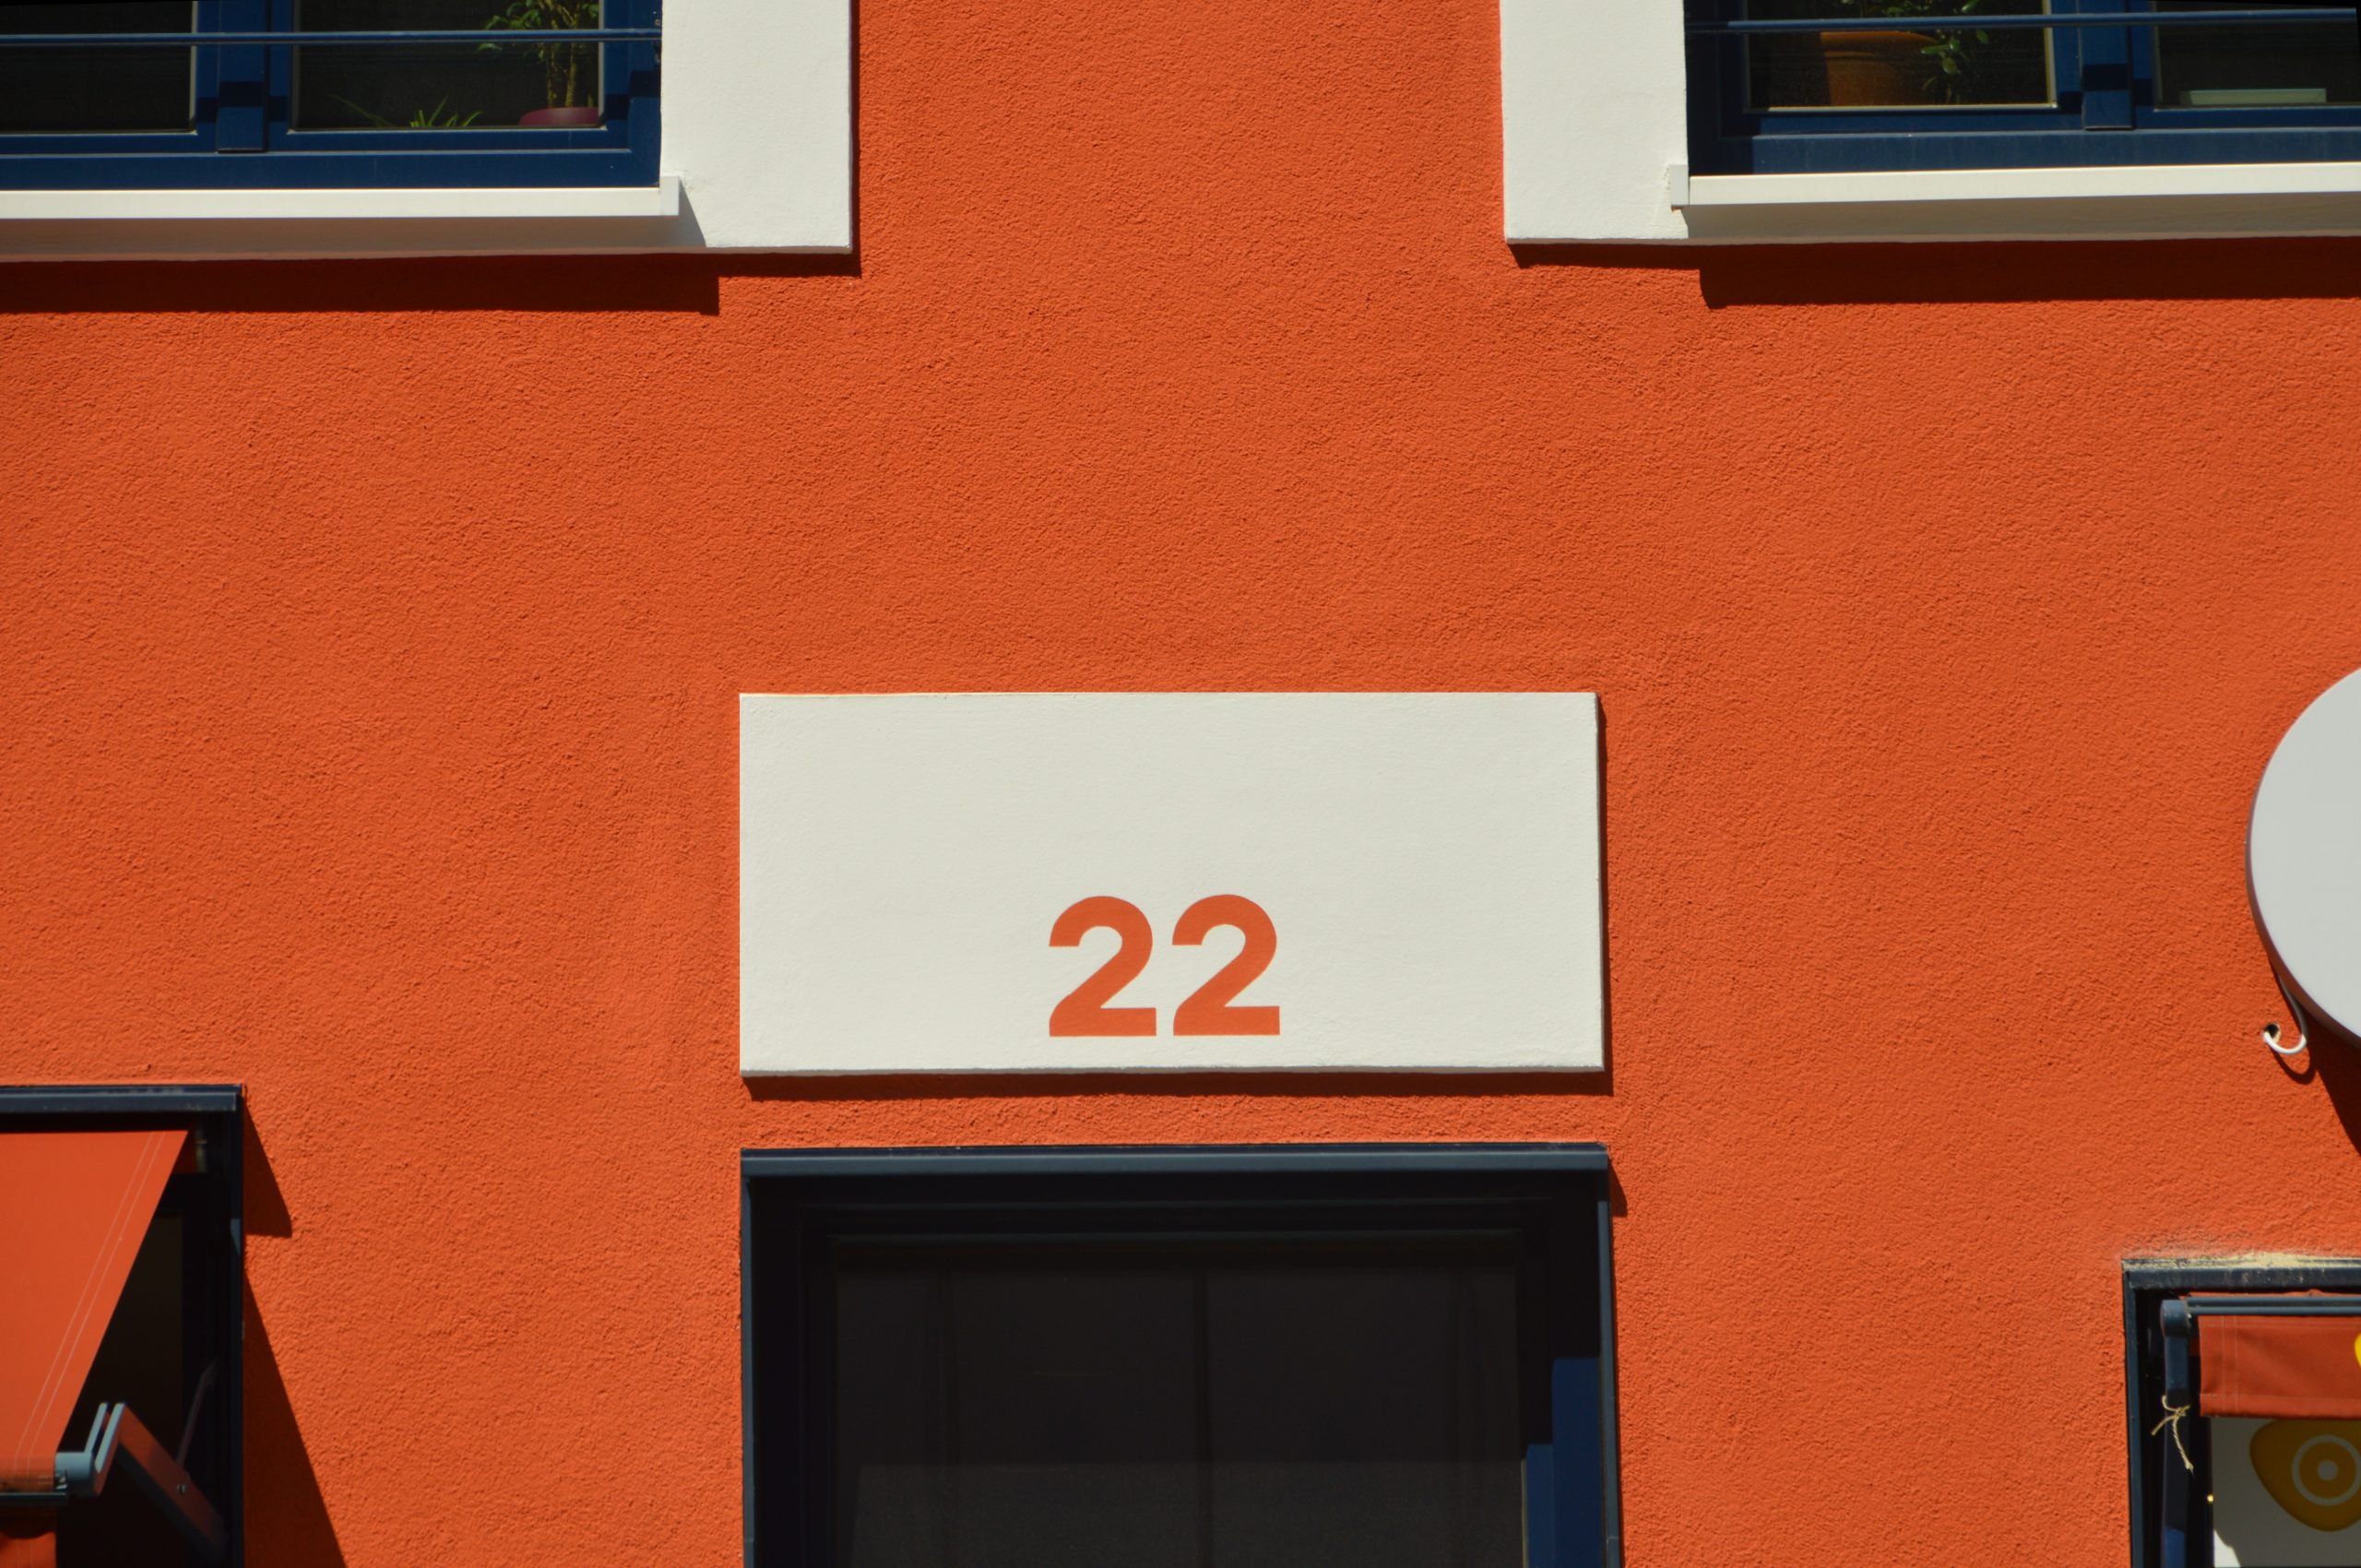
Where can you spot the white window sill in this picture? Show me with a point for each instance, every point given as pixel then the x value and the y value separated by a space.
pixel 320 224
pixel 2153 201
pixel 659 200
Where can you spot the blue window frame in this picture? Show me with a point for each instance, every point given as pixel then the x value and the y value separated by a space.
pixel 243 131
pixel 2111 99
pixel 1305 1353
pixel 2172 1448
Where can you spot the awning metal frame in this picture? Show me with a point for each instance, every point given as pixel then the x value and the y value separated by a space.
pixel 215 1115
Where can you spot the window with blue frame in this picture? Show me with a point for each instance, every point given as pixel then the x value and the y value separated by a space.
pixel 1393 1357
pixel 2242 1393
pixel 1823 86
pixel 207 94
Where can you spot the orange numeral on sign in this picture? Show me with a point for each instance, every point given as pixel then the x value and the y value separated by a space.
pixel 1084 1010
pixel 1209 1010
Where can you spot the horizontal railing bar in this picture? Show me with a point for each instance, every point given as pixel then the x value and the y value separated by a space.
pixel 2323 16
pixel 522 37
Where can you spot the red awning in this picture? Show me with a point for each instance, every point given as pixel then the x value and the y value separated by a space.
pixel 79 1204
pixel 2282 1367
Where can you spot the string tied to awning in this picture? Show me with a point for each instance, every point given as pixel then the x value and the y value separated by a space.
pixel 2173 1413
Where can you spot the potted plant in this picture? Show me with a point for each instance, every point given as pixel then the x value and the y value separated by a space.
pixel 569 71
pixel 439 118
pixel 1880 69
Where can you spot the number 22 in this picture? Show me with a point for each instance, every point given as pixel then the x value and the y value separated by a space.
pixel 1211 1009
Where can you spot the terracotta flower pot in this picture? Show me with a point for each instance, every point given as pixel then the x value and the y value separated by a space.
pixel 578 117
pixel 1868 70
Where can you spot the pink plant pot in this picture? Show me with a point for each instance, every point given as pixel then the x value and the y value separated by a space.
pixel 580 117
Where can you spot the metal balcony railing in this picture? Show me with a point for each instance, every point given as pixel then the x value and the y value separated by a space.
pixel 2042 20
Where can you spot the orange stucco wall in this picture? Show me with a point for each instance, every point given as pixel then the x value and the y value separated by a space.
pixel 372 634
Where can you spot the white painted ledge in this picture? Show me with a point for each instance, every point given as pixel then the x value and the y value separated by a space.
pixel 659 200
pixel 2228 179
pixel 321 224
pixel 2170 201
pixel 325 224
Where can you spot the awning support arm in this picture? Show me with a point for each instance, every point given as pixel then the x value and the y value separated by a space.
pixel 117 1434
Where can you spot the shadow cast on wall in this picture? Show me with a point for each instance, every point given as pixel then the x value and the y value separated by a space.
pixel 1315 1083
pixel 1932 273
pixel 286 1518
pixel 1947 272
pixel 689 284
pixel 2335 1060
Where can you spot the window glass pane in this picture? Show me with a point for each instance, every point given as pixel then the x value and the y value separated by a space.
pixel 1897 67
pixel 504 81
pixel 1070 1408
pixel 56 90
pixel 2247 67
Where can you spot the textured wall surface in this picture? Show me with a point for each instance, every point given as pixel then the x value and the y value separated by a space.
pixel 373 634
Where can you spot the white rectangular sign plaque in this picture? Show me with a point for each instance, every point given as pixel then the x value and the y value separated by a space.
pixel 1045 882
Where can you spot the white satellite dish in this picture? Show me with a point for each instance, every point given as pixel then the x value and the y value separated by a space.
pixel 2303 860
